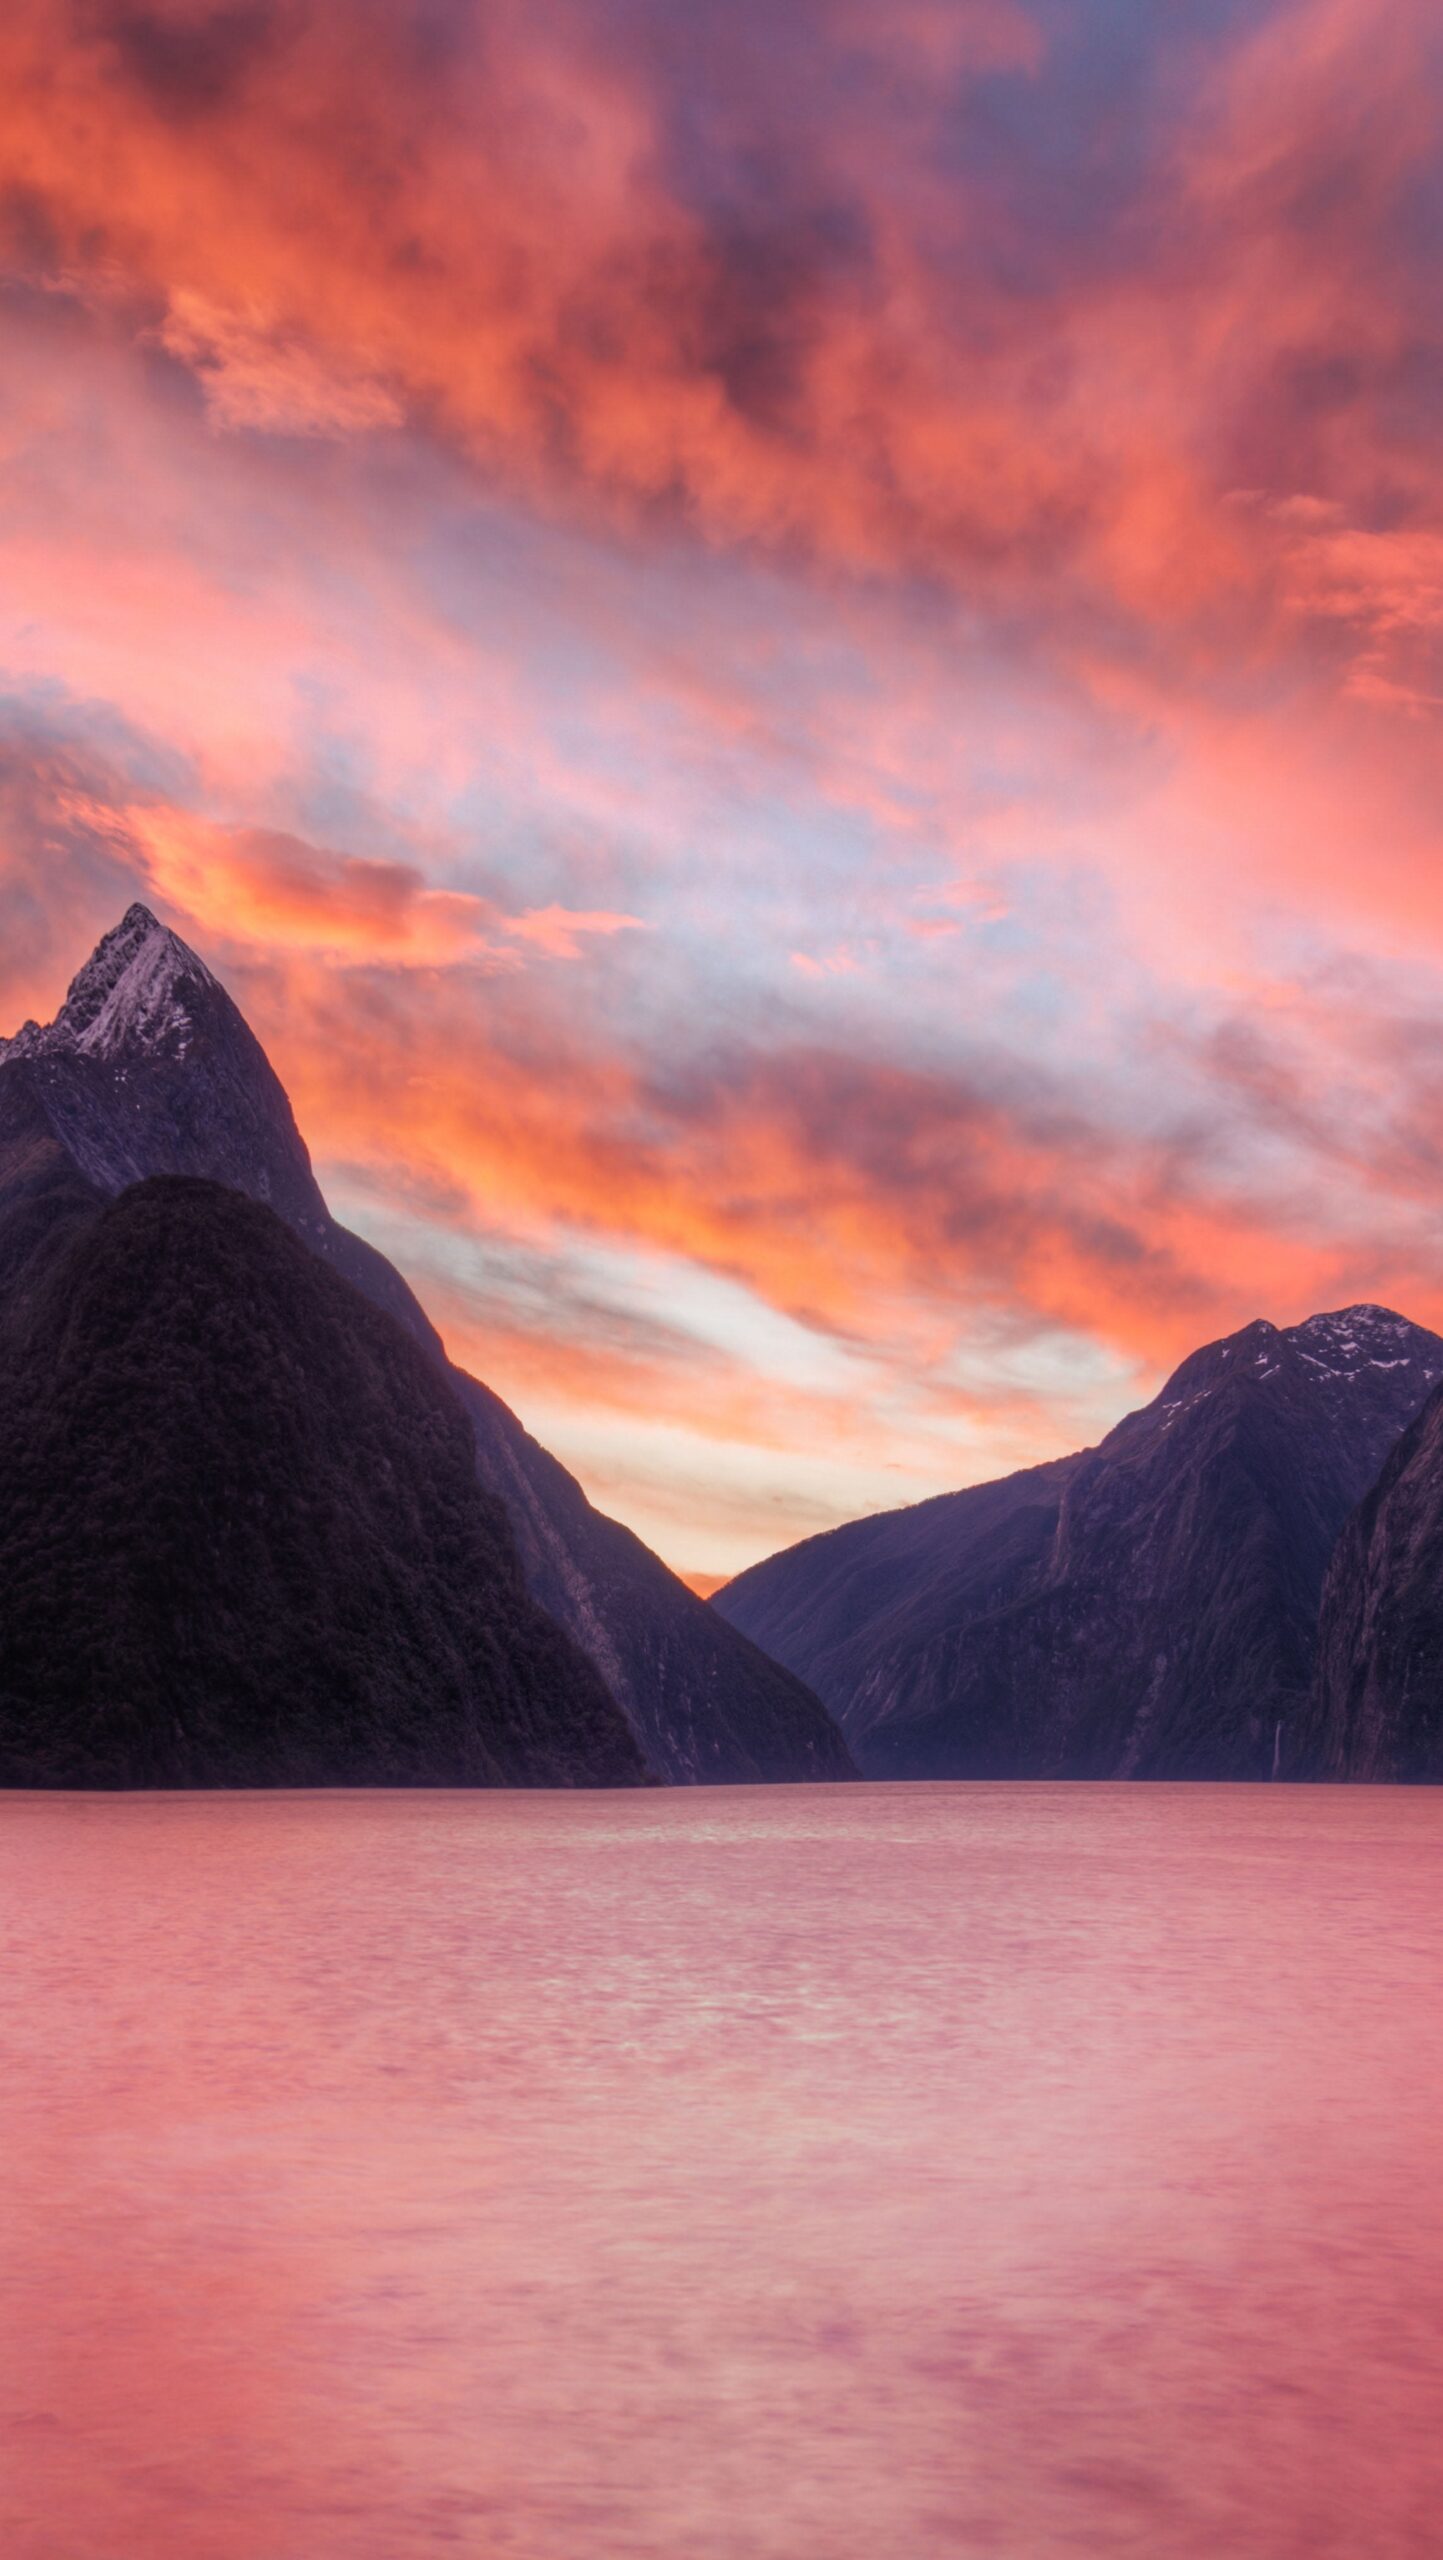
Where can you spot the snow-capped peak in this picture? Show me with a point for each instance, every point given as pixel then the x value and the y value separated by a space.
pixel 1352 1339
pixel 136 991
pixel 1352 1331
pixel 1332 1354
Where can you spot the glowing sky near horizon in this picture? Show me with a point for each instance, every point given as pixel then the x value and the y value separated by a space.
pixel 791 659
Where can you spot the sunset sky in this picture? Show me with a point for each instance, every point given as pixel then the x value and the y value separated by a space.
pixel 790 655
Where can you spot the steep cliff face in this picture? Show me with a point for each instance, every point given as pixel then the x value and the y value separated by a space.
pixel 241 1538
pixel 708 1704
pixel 864 1606
pixel 1377 1707
pixel 150 1069
pixel 1145 1609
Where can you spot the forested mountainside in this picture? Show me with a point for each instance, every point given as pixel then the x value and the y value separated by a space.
pixel 242 1542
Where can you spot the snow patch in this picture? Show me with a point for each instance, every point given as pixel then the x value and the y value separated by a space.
pixel 132 994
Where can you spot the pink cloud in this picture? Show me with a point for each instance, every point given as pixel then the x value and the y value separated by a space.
pixel 559 931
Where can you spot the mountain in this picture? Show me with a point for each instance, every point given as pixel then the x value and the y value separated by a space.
pixel 241 1538
pixel 1377 1709
pixel 149 1069
pixel 1144 1609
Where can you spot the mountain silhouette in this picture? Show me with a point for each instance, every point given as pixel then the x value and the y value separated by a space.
pixel 150 1070
pixel 1144 1609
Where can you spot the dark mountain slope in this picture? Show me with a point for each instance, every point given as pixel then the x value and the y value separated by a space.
pixel 241 1538
pixel 1145 1609
pixel 709 1705
pixel 880 1583
pixel 150 1069
pixel 1377 1709
pixel 43 1195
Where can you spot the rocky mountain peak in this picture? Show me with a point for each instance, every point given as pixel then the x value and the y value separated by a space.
pixel 148 1068
pixel 136 992
pixel 1349 1345
pixel 1361 1337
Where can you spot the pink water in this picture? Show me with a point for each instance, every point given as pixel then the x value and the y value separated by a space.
pixel 851 2174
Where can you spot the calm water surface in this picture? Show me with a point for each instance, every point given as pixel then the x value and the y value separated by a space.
pixel 856 2174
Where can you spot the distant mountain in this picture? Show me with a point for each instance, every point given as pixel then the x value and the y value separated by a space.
pixel 149 1069
pixel 1144 1609
pixel 241 1538
pixel 1377 1709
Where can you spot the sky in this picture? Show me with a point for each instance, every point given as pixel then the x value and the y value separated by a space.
pixel 789 656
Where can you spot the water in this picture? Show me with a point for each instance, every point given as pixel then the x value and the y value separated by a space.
pixel 851 2174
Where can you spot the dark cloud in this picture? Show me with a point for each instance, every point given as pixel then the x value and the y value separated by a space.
pixel 29 243
pixel 761 296
pixel 188 66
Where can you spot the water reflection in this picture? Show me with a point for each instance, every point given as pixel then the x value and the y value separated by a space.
pixel 789 2175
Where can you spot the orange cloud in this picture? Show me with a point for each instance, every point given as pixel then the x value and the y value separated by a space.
pixel 266 887
pixel 253 379
pixel 253 883
pixel 559 931
pixel 339 225
pixel 907 1217
pixel 948 518
pixel 858 1197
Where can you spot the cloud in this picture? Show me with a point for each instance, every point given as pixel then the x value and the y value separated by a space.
pixel 251 886
pixel 67 870
pixel 186 64
pixel 260 884
pixel 253 376
pixel 934 1225
pixel 781 643
pixel 559 931
pixel 779 306
pixel 866 1201
pixel 842 1186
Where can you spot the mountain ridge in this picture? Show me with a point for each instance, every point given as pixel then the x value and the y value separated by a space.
pixel 1146 1607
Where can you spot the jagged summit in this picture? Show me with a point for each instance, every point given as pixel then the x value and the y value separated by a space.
pixel 1323 1353
pixel 149 1068
pixel 1365 1336
pixel 138 989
